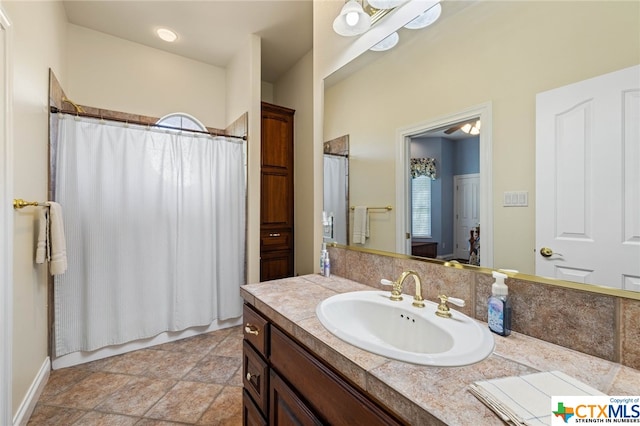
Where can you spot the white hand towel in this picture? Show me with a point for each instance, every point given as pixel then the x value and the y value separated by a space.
pixel 360 225
pixel 526 400
pixel 58 246
pixel 43 227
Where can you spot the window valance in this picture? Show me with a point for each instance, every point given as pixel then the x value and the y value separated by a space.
pixel 423 167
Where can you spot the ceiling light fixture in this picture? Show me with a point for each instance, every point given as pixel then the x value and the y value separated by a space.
pixel 385 4
pixel 426 19
pixel 387 43
pixel 167 35
pixel 352 20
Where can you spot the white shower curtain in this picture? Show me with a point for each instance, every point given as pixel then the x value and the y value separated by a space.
pixel 335 194
pixel 155 229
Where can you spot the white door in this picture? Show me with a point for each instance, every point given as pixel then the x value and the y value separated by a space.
pixel 466 210
pixel 6 223
pixel 588 181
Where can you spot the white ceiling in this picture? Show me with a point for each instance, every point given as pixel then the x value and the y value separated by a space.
pixel 209 31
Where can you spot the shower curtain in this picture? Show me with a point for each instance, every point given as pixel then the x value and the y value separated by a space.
pixel 335 194
pixel 155 231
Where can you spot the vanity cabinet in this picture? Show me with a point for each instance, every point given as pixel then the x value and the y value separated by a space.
pixel 276 198
pixel 424 249
pixel 302 389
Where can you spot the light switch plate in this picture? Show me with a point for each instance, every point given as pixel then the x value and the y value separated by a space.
pixel 516 199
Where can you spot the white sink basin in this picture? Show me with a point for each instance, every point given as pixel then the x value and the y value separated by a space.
pixel 398 330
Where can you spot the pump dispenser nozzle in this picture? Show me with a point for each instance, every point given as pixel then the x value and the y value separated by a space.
pixel 499 288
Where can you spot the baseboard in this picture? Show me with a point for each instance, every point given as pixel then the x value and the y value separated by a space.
pixel 31 398
pixel 448 256
pixel 77 358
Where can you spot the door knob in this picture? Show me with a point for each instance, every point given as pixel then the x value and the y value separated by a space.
pixel 547 252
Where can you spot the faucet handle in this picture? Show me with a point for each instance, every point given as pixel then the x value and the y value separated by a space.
pixel 396 291
pixel 443 309
pixel 456 301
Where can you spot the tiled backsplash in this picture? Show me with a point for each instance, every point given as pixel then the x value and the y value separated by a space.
pixel 601 325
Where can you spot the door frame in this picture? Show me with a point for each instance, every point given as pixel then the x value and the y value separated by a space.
pixel 6 226
pixel 403 185
pixel 456 179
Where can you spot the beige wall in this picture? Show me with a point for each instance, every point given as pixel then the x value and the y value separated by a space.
pixel 243 95
pixel 267 92
pixel 502 52
pixel 294 90
pixel 38 43
pixel 112 73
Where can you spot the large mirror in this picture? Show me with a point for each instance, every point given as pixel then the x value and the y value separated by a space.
pixel 493 54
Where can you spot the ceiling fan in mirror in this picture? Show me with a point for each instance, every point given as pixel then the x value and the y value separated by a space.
pixel 471 127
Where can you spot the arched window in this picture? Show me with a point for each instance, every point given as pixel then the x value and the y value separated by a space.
pixel 182 120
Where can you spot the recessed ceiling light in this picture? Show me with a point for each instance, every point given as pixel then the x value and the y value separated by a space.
pixel 167 35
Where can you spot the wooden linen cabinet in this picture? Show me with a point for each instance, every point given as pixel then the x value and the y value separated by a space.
pixel 276 199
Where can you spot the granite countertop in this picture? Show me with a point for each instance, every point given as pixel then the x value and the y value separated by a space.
pixel 422 394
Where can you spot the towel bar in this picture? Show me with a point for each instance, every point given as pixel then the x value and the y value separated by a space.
pixel 19 203
pixel 387 208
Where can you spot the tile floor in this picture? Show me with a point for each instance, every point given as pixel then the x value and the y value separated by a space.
pixel 194 381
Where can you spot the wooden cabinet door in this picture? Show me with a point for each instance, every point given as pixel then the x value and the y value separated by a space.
pixel 276 200
pixel 286 408
pixel 277 137
pixel 324 391
pixel 276 193
pixel 275 265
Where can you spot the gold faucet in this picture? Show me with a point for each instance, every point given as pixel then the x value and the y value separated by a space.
pixel 443 310
pixel 397 288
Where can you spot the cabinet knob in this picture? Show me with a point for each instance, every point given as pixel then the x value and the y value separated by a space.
pixel 251 329
pixel 274 235
pixel 249 376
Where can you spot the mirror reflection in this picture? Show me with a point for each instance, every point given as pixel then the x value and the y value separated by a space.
pixel 500 53
pixel 335 214
pixel 444 203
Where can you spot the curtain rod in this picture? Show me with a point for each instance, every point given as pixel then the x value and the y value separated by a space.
pixel 55 110
pixel 337 155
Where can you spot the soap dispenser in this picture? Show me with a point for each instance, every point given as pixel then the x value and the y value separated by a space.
pixel 323 255
pixel 325 262
pixel 499 306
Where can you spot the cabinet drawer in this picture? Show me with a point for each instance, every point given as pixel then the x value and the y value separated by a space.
pixel 256 330
pixel 255 376
pixel 251 415
pixel 275 240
